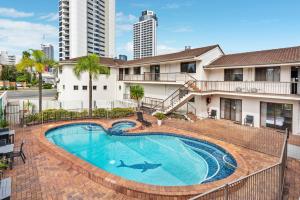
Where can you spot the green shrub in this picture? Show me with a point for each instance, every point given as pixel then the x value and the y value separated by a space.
pixel 100 112
pixel 12 88
pixel 160 116
pixel 61 114
pixel 120 112
pixel 47 86
pixel 3 123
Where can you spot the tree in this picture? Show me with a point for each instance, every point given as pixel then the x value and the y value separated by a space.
pixel 9 73
pixel 38 60
pixel 91 65
pixel 137 93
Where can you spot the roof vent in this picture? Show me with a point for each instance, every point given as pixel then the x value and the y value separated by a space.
pixel 187 48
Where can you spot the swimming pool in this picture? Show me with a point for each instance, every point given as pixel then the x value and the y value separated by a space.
pixel 162 159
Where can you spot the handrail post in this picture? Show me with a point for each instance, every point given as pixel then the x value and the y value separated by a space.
pixel 226 192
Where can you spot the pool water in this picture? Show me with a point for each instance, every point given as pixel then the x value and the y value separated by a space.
pixel 156 159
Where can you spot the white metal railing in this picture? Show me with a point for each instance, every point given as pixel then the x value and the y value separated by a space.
pixel 157 77
pixel 259 87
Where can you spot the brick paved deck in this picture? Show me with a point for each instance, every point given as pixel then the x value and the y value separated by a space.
pixel 46 177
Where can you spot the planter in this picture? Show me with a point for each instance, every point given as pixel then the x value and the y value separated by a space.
pixel 159 122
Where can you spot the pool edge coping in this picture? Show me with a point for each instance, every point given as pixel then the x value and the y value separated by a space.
pixel 132 188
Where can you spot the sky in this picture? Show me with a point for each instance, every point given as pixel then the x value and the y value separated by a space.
pixel 236 25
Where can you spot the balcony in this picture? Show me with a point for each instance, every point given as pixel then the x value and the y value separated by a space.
pixel 175 78
pixel 258 88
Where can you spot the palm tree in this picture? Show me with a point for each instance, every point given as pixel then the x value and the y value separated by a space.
pixel 137 93
pixel 91 65
pixel 38 60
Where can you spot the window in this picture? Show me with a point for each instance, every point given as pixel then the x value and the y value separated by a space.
pixel 94 87
pixel 84 87
pixel 75 87
pixel 188 67
pixel 276 115
pixel 64 87
pixel 105 87
pixel 120 87
pixel 137 70
pixel 126 71
pixel 60 70
pixel 267 74
pixel 233 74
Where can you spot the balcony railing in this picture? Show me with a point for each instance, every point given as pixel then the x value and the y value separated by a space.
pixel 146 101
pixel 254 87
pixel 157 77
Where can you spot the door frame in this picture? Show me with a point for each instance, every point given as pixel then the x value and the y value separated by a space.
pixel 230 109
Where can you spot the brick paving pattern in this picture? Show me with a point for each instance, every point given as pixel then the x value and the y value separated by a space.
pixel 46 177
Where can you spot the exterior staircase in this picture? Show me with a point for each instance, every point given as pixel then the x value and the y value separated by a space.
pixel 179 98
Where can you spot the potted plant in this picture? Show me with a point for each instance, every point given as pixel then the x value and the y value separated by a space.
pixel 160 117
pixel 3 124
pixel 3 164
pixel 137 94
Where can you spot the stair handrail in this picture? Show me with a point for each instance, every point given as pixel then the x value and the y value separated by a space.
pixel 185 85
pixel 188 108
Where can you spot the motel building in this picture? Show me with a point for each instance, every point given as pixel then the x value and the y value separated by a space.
pixel 258 88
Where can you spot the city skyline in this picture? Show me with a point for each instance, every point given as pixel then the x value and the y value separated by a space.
pixel 244 26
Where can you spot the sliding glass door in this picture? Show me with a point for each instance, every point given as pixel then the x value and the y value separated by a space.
pixel 231 109
pixel 276 115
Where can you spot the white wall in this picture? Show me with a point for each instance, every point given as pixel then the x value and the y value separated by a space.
pixel 250 106
pixel 159 91
pixel 67 79
pixel 206 59
pixel 248 74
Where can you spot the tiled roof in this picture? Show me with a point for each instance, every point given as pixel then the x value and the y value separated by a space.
pixel 256 58
pixel 187 54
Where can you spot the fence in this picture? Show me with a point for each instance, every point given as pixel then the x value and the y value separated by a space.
pixel 164 77
pixel 260 87
pixel 17 113
pixel 264 140
pixel 266 184
pixel 76 114
pixel 32 105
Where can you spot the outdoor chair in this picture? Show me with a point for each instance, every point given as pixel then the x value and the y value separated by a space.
pixel 249 120
pixel 212 114
pixel 19 153
pixel 141 119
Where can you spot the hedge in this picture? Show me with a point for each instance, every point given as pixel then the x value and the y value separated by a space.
pixel 61 114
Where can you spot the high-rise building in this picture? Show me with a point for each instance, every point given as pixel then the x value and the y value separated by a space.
pixel 86 27
pixel 6 59
pixel 144 35
pixel 48 50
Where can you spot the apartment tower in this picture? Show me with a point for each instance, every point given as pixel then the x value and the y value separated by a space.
pixel 144 35
pixel 48 50
pixel 86 27
pixel 6 59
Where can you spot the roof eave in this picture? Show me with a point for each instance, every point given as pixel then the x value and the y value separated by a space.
pixel 250 66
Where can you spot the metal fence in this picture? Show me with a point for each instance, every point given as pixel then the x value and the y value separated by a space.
pixel 259 87
pixel 265 140
pixel 76 114
pixel 163 77
pixel 266 184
